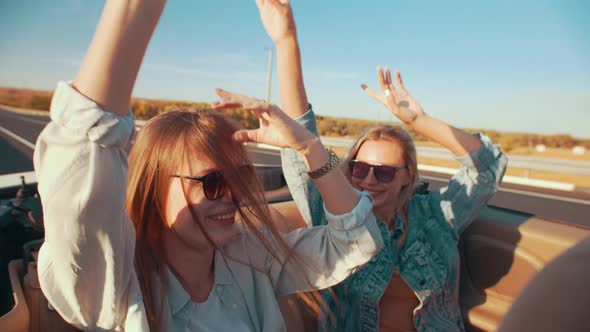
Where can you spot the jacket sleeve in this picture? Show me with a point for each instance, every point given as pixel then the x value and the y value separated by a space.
pixel 302 188
pixel 86 267
pixel 471 187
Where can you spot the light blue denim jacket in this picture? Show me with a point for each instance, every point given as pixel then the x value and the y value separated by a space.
pixel 429 260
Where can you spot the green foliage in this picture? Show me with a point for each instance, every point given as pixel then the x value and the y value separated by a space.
pixel 39 103
pixel 327 126
pixel 25 98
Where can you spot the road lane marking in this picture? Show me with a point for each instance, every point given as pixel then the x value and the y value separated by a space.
pixel 557 198
pixel 18 138
pixel 507 179
pixel 35 121
pixel 522 192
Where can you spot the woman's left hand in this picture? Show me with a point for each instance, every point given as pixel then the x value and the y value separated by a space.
pixel 276 127
pixel 399 101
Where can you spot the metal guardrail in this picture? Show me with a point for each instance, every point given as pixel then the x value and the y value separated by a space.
pixel 531 163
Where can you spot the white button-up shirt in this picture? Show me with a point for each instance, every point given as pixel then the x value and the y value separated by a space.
pixel 86 265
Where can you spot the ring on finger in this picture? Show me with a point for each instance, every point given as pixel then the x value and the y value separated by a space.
pixel 387 92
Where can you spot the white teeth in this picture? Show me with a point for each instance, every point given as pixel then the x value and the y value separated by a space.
pixel 223 217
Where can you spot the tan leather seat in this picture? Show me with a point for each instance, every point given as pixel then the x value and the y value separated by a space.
pixel 501 252
pixel 558 298
pixel 17 319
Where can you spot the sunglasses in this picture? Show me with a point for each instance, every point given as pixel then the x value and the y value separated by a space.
pixel 214 184
pixel 383 173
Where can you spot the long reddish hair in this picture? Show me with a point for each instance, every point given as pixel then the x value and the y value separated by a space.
pixel 160 148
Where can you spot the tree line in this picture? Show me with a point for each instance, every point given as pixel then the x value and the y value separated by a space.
pixel 145 109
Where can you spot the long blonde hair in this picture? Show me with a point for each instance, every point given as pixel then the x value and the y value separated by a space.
pixel 396 135
pixel 158 151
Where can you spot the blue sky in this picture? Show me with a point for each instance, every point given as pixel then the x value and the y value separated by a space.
pixel 507 65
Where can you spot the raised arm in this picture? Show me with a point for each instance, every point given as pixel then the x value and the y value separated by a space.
pixel 406 108
pixel 483 163
pixel 277 18
pixel 111 64
pixel 277 129
pixel 86 264
pixel 350 238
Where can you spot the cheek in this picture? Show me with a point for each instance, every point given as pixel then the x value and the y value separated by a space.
pixel 177 207
pixel 392 191
pixel 173 208
pixel 356 183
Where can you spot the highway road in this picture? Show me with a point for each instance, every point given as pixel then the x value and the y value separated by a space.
pixel 18 134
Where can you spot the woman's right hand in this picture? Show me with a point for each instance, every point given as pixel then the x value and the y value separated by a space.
pixel 277 18
pixel 276 127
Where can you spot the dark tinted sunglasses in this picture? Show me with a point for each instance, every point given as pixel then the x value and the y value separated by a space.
pixel 383 173
pixel 214 185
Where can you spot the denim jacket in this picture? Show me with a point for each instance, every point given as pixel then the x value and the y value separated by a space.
pixel 429 260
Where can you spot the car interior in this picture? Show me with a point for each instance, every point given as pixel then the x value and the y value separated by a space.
pixel 501 251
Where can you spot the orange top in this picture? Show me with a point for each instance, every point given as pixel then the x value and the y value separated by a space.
pixel 396 306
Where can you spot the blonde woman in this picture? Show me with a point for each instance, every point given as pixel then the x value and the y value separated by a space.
pixel 413 283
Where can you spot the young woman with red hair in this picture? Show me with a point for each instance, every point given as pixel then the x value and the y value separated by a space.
pixel 176 236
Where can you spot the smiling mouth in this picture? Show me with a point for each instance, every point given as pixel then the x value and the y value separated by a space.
pixel 228 218
pixel 373 193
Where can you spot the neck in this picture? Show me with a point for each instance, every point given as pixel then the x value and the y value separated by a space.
pixel 183 260
pixel 386 213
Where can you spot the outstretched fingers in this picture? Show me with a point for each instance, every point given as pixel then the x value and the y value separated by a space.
pixel 260 111
pixel 400 83
pixel 374 94
pixel 226 99
pixel 382 79
pixel 229 99
pixel 389 80
pixel 387 88
pixel 246 135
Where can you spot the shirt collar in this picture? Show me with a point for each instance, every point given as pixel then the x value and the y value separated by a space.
pixel 398 228
pixel 178 297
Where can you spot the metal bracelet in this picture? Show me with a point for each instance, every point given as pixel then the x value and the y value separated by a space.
pixel 328 166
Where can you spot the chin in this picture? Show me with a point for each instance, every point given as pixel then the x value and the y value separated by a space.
pixel 378 202
pixel 224 236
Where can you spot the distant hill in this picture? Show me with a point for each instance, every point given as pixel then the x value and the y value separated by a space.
pixel 327 126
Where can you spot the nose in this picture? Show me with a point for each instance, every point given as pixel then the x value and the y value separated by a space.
pixel 231 196
pixel 370 178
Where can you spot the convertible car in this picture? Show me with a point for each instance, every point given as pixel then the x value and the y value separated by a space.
pixel 501 252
